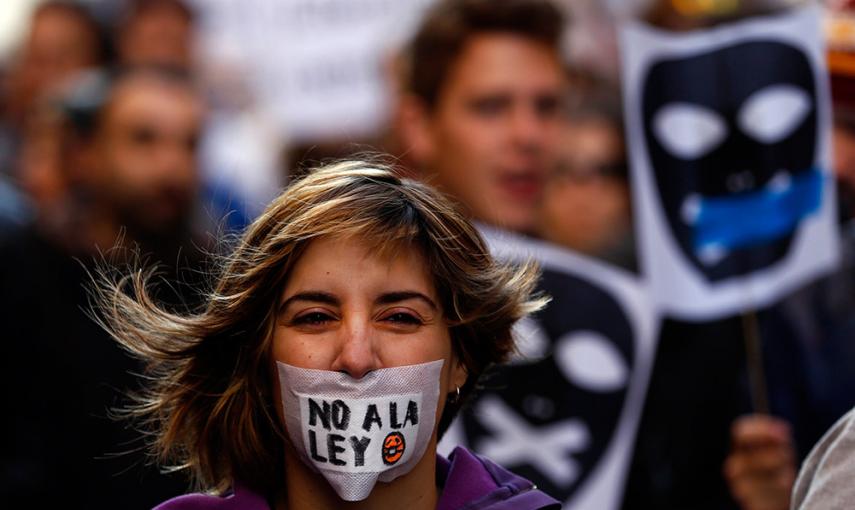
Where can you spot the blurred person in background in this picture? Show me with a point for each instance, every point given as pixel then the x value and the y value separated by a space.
pixel 130 145
pixel 62 39
pixel 698 382
pixel 141 161
pixel 586 204
pixel 699 387
pixel 480 111
pixel 120 152
pixel 820 315
pixel 41 170
pixel 159 32
pixel 39 175
pixel 239 156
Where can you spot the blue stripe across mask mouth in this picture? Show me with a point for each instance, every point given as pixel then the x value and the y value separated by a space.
pixel 725 223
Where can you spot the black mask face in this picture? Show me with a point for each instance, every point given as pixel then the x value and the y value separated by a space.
pixel 543 418
pixel 732 138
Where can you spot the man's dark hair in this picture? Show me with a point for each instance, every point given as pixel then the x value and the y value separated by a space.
pixel 449 25
pixel 88 95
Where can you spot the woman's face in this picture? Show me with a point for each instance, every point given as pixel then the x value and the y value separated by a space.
pixel 347 309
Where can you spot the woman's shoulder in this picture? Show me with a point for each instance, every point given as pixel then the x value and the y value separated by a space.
pixel 474 482
pixel 825 479
pixel 240 498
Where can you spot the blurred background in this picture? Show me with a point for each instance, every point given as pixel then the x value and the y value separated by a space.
pixel 157 128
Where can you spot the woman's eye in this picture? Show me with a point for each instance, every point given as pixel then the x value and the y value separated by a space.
pixel 403 318
pixel 312 319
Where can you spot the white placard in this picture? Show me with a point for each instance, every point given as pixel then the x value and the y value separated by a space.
pixel 568 416
pixel 728 132
pixel 319 66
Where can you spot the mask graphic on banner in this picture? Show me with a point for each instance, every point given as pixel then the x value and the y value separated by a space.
pixel 732 136
pixel 357 431
pixel 560 404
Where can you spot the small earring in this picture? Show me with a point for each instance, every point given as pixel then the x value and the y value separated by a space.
pixel 456 397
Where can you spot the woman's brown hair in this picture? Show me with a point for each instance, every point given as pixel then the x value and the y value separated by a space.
pixel 210 404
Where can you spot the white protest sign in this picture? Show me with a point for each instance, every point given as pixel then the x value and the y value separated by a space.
pixel 728 133
pixel 319 66
pixel 564 412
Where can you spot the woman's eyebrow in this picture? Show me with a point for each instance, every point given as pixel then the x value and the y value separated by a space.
pixel 313 296
pixel 394 297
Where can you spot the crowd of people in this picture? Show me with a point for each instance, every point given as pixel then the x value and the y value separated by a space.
pixel 104 137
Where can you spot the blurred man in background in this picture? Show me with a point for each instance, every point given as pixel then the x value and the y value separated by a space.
pixel 483 83
pixel 240 170
pixel 140 159
pixel 130 145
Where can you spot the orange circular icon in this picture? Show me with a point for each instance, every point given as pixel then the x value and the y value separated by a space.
pixel 393 448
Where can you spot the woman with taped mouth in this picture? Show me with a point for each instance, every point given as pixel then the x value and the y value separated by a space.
pixel 342 335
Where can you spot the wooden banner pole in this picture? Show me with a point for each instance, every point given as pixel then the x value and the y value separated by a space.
pixel 754 359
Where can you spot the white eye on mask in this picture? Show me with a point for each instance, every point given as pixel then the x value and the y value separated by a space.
pixel 356 431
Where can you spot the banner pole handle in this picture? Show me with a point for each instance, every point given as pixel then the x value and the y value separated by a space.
pixel 754 359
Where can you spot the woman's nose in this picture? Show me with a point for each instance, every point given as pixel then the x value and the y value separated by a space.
pixel 357 352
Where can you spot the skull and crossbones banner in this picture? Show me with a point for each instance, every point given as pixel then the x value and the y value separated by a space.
pixel 728 132
pixel 564 412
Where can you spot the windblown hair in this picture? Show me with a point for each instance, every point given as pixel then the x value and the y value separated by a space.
pixel 450 24
pixel 210 405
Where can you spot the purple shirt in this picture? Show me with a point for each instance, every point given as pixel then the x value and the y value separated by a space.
pixel 466 479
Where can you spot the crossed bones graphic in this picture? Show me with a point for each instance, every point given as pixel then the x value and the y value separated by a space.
pixel 513 437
